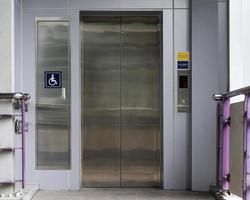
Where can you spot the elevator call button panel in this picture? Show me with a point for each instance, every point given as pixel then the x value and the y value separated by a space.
pixel 183 82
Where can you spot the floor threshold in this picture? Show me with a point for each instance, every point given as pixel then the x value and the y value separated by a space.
pixel 122 194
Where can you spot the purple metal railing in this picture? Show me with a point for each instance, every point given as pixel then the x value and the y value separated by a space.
pixel 22 103
pixel 219 144
pixel 223 143
pixel 226 142
pixel 21 99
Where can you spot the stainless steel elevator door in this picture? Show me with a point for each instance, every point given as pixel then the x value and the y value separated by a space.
pixel 139 102
pixel 120 101
pixel 101 101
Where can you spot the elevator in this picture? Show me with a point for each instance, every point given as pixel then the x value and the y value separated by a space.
pixel 121 99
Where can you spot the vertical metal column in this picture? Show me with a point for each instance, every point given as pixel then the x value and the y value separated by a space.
pixel 219 145
pixel 246 150
pixel 22 102
pixel 226 137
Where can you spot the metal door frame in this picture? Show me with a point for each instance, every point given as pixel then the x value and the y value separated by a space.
pixel 159 15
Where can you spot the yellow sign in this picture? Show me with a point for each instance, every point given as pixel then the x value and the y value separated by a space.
pixel 183 56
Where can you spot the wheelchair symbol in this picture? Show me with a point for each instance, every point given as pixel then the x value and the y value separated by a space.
pixel 52 81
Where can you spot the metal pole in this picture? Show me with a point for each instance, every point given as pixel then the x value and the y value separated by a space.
pixel 219 164
pixel 226 137
pixel 246 149
pixel 23 140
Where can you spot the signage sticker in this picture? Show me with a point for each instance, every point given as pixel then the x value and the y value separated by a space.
pixel 52 79
pixel 183 56
pixel 183 64
pixel 183 60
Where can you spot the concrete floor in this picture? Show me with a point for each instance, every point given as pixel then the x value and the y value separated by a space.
pixel 121 194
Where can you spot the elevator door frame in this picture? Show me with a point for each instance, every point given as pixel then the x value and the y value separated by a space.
pixel 159 15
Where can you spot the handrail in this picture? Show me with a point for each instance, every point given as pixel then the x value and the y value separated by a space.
pixel 20 99
pixel 223 140
pixel 219 97
pixel 16 96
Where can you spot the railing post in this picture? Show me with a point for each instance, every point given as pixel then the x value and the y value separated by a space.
pixel 219 145
pixel 223 174
pixel 219 164
pixel 226 140
pixel 23 140
pixel 246 149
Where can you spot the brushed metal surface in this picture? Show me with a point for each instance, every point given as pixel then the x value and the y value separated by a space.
pixel 140 121
pixel 52 112
pixel 101 101
pixel 236 148
pixel 120 107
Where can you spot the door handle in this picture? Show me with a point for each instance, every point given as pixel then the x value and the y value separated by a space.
pixel 63 93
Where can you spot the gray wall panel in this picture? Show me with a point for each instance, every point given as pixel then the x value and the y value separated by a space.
pixel 223 70
pixel 5 50
pixel 120 4
pixel 168 101
pixel 74 175
pixel 181 3
pixel 48 4
pixel 7 163
pixel 97 4
pixel 206 81
pixel 18 74
pixel 182 120
pixel 17 43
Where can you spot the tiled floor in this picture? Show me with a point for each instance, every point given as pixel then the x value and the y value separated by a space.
pixel 121 194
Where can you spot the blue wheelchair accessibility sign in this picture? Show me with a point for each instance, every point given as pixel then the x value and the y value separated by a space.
pixel 52 79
